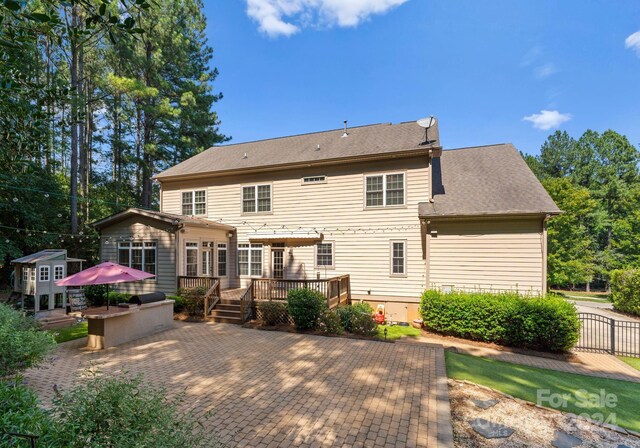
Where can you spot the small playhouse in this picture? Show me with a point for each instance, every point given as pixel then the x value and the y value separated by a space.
pixel 34 278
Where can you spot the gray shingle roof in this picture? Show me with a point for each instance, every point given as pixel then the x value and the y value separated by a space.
pixel 169 218
pixel 42 255
pixel 486 180
pixel 363 141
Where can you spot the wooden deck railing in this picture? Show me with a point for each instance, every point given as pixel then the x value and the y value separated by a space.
pixel 212 297
pixel 337 290
pixel 247 302
pixel 186 281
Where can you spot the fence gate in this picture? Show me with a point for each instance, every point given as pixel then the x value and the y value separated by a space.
pixel 606 335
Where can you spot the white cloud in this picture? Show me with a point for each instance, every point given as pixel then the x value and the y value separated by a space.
pixel 547 119
pixel 287 17
pixel 546 70
pixel 633 42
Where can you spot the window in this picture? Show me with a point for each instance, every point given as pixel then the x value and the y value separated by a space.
pixel 58 272
pixel 43 276
pixel 384 190
pixel 314 180
pixel 191 266
pixel 222 259
pixel 194 202
pixel 44 300
pixel 25 275
pixel 398 258
pixel 33 274
pixel 138 255
pixel 207 249
pixel 250 260
pixel 256 198
pixel 324 255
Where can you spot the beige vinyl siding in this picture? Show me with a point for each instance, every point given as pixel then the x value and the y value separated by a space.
pixel 497 255
pixel 143 229
pixel 338 203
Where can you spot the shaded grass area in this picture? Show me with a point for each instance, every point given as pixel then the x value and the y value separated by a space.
pixel 76 331
pixel 582 295
pixel 612 401
pixel 396 332
pixel 633 362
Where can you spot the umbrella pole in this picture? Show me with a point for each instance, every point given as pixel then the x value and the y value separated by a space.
pixel 107 296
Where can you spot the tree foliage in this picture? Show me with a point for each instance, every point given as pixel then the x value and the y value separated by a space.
pixel 95 98
pixel 596 181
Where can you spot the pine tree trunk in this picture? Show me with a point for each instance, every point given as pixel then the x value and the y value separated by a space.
pixel 73 174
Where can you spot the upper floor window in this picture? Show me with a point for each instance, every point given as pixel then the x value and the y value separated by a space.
pixel 384 190
pixel 194 202
pixel 314 180
pixel 58 272
pixel 256 198
pixel 138 255
pixel 44 274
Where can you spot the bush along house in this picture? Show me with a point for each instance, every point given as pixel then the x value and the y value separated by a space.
pixel 376 213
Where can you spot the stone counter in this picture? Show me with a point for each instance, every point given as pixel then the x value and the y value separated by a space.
pixel 116 326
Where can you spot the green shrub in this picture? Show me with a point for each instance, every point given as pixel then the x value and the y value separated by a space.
pixel 119 297
pixel 22 344
pixel 625 291
pixel 329 322
pixel 95 294
pixel 362 322
pixel 193 300
pixel 124 411
pixel 542 323
pixel 273 313
pixel 305 306
pixel 178 303
pixel 349 312
pixel 20 413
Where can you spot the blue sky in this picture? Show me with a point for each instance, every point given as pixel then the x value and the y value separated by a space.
pixel 481 67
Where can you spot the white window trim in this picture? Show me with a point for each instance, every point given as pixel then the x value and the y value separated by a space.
pixel 32 272
pixel 333 256
pixel 43 269
pixel 226 259
pixel 193 201
pixel 154 279
pixel 384 190
pixel 255 199
pixel 55 277
pixel 186 251
pixel 391 273
pixel 303 181
pixel 249 261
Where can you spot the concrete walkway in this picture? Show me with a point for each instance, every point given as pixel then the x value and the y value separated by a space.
pixel 275 389
pixel 592 364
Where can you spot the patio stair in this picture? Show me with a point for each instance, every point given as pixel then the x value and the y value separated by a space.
pixel 227 310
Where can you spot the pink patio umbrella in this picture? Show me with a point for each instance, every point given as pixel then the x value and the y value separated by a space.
pixel 104 274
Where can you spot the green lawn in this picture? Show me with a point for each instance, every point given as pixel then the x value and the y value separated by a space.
pixel 584 296
pixel 580 392
pixel 70 333
pixel 633 362
pixel 397 332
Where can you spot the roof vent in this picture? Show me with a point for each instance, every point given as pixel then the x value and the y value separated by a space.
pixel 318 147
pixel 244 156
pixel 346 134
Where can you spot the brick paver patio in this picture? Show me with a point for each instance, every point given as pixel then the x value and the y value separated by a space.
pixel 273 389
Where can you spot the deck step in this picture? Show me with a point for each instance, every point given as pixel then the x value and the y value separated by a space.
pixel 229 302
pixel 229 307
pixel 225 313
pixel 226 320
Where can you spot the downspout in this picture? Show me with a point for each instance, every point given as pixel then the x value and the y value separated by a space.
pixel 544 253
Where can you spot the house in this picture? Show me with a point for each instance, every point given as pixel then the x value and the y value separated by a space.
pixel 382 204
pixel 34 280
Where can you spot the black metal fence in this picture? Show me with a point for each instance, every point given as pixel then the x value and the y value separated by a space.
pixel 606 335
